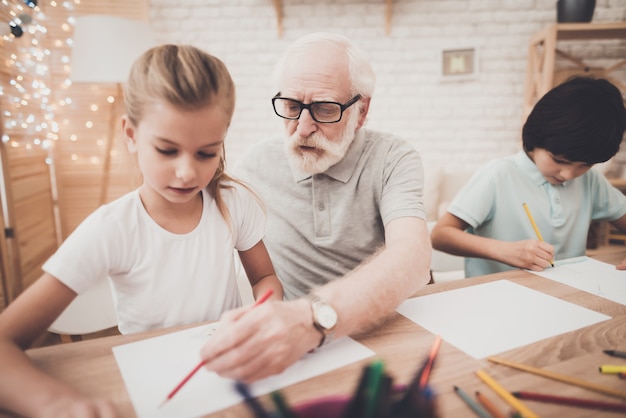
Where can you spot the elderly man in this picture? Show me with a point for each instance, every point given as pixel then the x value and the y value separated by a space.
pixel 346 229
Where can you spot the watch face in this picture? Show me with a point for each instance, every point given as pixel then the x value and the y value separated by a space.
pixel 326 317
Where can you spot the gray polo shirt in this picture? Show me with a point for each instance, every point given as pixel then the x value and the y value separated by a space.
pixel 322 226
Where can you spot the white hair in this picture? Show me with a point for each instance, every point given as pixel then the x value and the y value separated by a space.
pixel 361 73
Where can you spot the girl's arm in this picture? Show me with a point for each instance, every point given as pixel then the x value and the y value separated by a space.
pixel 24 389
pixel 449 235
pixel 260 271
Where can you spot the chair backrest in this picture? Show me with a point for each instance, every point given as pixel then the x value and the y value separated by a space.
pixel 445 267
pixel 89 312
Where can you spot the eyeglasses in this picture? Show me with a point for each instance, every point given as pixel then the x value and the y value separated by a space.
pixel 322 112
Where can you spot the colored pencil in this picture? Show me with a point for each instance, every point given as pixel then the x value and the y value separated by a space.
pixel 561 378
pixel 564 400
pixel 615 353
pixel 474 406
pixel 488 405
pixel 506 395
pixel 612 369
pixel 373 388
pixel 182 383
pixel 253 403
pixel 532 222
pixel 429 362
pixel 418 398
pixel 282 407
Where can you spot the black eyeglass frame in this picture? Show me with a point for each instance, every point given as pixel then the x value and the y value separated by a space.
pixel 307 106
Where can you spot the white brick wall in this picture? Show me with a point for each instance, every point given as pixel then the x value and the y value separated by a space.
pixel 456 122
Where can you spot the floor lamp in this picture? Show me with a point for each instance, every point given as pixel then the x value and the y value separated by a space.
pixel 103 50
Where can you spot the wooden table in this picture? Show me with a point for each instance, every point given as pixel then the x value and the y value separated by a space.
pixel 402 344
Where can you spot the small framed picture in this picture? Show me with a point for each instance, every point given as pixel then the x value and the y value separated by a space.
pixel 458 63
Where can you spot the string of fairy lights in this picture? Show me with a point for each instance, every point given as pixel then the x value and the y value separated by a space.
pixel 30 109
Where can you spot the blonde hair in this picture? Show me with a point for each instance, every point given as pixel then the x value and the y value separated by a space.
pixel 187 78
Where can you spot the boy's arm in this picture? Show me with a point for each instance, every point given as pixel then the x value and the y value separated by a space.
pixel 24 388
pixel 449 236
pixel 621 225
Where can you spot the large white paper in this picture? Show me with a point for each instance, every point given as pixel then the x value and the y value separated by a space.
pixel 151 368
pixel 589 275
pixel 490 318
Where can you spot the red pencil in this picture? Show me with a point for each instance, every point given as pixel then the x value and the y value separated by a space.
pixel 179 386
pixel 562 400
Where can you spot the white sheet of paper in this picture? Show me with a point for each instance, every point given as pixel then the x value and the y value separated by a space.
pixel 151 369
pixel 490 318
pixel 589 275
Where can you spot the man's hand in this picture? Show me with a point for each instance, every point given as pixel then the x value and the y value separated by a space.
pixel 265 341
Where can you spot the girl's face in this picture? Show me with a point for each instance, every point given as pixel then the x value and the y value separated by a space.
pixel 556 169
pixel 178 151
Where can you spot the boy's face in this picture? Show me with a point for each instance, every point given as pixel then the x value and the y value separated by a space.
pixel 557 169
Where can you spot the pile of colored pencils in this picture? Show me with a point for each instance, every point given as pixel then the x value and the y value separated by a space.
pixel 374 396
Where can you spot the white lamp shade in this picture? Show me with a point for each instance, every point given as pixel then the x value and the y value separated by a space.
pixel 105 47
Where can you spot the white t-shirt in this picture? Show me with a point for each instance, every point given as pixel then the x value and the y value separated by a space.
pixel 161 279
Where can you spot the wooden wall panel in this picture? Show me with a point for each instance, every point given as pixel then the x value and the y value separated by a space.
pixel 85 126
pixel 74 162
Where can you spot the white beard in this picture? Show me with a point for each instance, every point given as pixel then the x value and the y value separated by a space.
pixel 325 154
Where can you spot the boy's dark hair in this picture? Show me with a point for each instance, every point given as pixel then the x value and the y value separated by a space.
pixel 582 120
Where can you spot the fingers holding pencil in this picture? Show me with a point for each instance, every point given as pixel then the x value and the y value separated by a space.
pixel 535 227
pixel 250 347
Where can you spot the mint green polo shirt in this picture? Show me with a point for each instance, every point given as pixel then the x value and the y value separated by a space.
pixel 491 203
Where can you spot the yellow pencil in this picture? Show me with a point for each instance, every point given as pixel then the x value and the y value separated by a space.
pixel 506 395
pixel 561 378
pixel 611 369
pixel 532 222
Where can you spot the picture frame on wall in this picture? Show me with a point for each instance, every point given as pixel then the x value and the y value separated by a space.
pixel 459 63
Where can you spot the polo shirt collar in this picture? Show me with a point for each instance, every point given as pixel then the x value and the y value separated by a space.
pixel 342 171
pixel 530 168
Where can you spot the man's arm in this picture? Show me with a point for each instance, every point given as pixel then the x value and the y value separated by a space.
pixel 368 294
pixel 250 347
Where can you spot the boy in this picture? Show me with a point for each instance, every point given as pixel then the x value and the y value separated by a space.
pixel 574 126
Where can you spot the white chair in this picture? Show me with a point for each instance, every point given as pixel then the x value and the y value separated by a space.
pixel 445 267
pixel 89 312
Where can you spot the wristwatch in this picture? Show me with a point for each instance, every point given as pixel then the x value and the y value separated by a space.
pixel 324 317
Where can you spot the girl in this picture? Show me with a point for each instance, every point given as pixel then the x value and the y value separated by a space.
pixel 167 247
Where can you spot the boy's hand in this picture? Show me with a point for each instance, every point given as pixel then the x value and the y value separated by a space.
pixel 528 254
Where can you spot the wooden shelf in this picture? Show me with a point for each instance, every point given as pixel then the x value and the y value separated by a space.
pixel 278 9
pixel 542 52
